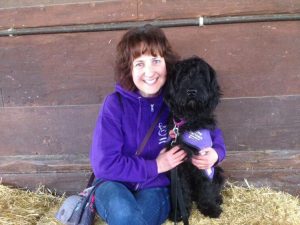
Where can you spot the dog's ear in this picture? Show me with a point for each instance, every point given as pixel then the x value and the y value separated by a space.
pixel 171 87
pixel 170 84
pixel 214 88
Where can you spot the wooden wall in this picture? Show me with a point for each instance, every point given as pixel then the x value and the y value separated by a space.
pixel 51 86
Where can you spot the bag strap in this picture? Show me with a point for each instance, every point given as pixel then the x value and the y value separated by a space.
pixel 91 180
pixel 149 132
pixel 88 200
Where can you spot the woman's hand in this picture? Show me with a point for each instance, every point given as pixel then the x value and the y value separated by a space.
pixel 167 160
pixel 206 159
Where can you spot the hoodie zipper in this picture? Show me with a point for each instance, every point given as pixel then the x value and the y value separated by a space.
pixel 137 186
pixel 152 107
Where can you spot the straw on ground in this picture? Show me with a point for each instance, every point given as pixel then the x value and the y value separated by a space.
pixel 242 206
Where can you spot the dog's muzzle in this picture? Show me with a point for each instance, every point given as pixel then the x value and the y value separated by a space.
pixel 191 92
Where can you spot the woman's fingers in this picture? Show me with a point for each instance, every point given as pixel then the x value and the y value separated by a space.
pixel 200 163
pixel 167 160
pixel 205 160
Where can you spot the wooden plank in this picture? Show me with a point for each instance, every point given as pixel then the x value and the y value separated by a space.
pixel 1 99
pixel 34 14
pixel 47 130
pixel 278 170
pixel 258 160
pixel 63 173
pixel 249 58
pixel 69 173
pixel 251 161
pixel 287 181
pixel 68 69
pixel 195 8
pixel 63 163
pixel 74 182
pixel 261 123
pixel 74 69
pixel 69 183
pixel 35 3
pixel 248 124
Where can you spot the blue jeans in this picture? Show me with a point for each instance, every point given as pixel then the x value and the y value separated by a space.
pixel 117 205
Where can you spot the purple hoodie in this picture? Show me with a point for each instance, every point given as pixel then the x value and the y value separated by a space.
pixel 121 127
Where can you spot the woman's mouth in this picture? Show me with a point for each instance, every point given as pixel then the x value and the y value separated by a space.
pixel 150 81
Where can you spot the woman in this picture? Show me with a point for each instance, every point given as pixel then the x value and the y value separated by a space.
pixel 135 190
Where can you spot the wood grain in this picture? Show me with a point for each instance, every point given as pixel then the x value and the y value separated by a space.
pixel 248 124
pixel 69 173
pixel 47 130
pixel 70 69
pixel 258 59
pixel 195 8
pixel 275 169
pixel 36 15
pixel 268 123
pixel 35 3
pixel 60 183
pixel 32 164
pixel 51 86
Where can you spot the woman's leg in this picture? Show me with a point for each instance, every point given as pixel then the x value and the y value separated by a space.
pixel 155 204
pixel 116 204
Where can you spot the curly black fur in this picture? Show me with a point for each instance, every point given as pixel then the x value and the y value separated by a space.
pixel 192 94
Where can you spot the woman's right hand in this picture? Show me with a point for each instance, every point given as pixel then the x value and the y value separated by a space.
pixel 167 160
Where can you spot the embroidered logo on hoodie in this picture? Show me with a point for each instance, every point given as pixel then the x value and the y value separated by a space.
pixel 162 133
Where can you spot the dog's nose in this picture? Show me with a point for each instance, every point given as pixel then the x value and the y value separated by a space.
pixel 191 92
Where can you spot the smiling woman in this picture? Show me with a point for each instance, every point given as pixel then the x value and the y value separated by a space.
pixel 135 190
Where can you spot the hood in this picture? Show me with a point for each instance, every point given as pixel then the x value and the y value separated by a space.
pixel 151 104
pixel 135 95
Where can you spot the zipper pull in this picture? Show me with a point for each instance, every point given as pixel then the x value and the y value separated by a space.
pixel 152 107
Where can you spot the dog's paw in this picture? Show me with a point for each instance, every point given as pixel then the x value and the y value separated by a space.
pixel 219 200
pixel 211 211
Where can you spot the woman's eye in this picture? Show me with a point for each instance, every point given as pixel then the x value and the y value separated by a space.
pixel 138 65
pixel 156 61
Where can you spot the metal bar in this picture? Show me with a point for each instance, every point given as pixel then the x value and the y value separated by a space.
pixel 251 19
pixel 201 21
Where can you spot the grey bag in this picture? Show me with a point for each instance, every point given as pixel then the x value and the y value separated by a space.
pixel 79 209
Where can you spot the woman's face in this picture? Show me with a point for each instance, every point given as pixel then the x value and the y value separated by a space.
pixel 149 74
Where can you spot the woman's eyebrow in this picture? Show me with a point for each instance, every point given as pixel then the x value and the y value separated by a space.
pixel 138 61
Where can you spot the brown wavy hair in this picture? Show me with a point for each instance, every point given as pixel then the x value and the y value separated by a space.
pixel 146 39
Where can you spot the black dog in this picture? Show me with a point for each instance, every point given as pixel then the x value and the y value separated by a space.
pixel 192 94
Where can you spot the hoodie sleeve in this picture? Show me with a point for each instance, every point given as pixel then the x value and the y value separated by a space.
pixel 218 144
pixel 107 159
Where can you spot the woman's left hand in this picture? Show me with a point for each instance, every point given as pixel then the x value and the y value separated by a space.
pixel 206 159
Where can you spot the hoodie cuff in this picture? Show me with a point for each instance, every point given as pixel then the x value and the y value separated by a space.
pixel 151 168
pixel 221 154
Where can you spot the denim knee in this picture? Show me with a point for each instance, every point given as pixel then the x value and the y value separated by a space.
pixel 117 205
pixel 121 212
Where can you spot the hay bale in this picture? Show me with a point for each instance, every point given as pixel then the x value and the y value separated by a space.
pixel 242 205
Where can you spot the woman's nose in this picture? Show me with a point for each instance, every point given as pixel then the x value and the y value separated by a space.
pixel 149 71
